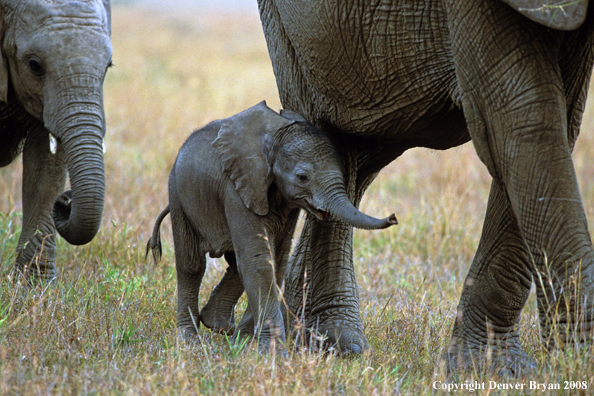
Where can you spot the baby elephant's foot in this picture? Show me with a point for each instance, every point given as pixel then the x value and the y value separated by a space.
pixel 271 338
pixel 218 314
pixel 217 321
pixel 187 333
pixel 243 333
pixel 272 344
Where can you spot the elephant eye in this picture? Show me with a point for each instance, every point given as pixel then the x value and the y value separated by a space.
pixel 303 178
pixel 36 67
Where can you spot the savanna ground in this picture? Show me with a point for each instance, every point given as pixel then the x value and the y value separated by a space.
pixel 107 325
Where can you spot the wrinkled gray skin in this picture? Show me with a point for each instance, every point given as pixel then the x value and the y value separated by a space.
pixel 437 73
pixel 54 57
pixel 242 200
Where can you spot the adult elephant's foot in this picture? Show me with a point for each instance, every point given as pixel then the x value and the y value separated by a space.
pixel 485 335
pixel 346 337
pixel 321 288
pixel 504 359
pixel 187 333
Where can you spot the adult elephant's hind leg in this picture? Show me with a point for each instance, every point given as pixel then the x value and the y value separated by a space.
pixel 519 108
pixel 495 290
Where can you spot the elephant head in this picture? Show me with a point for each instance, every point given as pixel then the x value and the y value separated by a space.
pixel 53 61
pixel 259 147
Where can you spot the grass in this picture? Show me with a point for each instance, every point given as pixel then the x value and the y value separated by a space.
pixel 107 326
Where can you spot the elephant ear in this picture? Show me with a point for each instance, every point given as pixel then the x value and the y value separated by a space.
pixel 4 73
pixel 557 14
pixel 291 115
pixel 240 146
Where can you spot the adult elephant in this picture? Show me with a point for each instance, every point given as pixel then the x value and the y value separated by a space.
pixel 512 76
pixel 54 57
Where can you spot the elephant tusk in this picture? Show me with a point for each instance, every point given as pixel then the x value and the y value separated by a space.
pixel 53 144
pixel 104 148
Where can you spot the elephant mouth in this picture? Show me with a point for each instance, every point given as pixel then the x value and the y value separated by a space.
pixel 320 214
pixel 325 215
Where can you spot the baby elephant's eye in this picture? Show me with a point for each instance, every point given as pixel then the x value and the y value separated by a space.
pixel 303 178
pixel 36 67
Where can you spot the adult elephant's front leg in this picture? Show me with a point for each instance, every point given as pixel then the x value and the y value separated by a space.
pixel 321 288
pixel 44 177
pixel 322 267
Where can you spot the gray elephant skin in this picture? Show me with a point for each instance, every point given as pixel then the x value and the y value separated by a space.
pixel 236 189
pixel 54 56
pixel 512 76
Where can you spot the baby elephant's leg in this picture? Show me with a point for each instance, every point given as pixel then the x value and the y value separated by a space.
pixel 263 306
pixel 245 328
pixel 256 268
pixel 219 312
pixel 190 264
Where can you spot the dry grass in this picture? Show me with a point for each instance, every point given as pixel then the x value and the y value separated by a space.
pixel 108 325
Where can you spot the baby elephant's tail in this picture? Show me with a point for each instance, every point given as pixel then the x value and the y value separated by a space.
pixel 154 244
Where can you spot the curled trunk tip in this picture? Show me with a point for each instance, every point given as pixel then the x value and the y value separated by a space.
pixel 345 211
pixel 384 223
pixel 391 220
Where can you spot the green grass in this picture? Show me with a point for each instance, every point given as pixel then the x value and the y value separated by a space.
pixel 107 326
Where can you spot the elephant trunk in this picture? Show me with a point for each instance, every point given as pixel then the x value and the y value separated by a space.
pixel 80 129
pixel 342 209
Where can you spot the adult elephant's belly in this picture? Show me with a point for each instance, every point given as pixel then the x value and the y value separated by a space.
pixel 366 70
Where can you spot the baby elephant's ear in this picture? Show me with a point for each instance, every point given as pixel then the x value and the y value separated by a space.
pixel 240 147
pixel 291 115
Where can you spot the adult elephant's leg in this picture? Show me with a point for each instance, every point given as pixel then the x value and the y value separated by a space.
pixel 495 290
pixel 514 98
pixel 44 177
pixel 282 245
pixel 322 267
pixel 553 281
pixel 321 288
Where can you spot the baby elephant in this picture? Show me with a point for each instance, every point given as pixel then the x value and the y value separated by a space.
pixel 236 189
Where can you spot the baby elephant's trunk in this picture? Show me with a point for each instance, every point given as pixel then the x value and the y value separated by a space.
pixel 345 211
